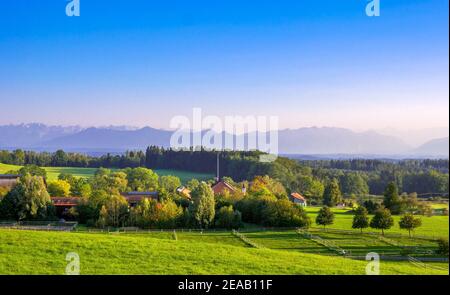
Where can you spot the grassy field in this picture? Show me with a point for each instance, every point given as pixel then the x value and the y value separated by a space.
pixel 26 252
pixel 433 227
pixel 192 252
pixel 53 172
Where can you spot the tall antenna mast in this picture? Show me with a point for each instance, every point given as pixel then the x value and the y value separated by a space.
pixel 218 170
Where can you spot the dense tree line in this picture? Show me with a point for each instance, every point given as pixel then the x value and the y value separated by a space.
pixel 421 165
pixel 311 178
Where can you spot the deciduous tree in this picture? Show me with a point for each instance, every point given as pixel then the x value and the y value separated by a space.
pixel 360 219
pixel 409 222
pixel 332 194
pixel 382 220
pixel 203 207
pixel 325 217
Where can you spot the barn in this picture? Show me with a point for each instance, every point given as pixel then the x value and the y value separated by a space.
pixel 296 198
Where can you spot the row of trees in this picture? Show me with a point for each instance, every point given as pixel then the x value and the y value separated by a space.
pixel 410 165
pixel 381 220
pixel 427 179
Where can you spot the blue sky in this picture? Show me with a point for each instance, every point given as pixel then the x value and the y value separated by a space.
pixel 311 62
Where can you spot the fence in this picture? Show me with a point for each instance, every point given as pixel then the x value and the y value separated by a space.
pixel 246 240
pixel 131 230
pixel 393 235
pixel 40 225
pixel 327 244
pixel 419 263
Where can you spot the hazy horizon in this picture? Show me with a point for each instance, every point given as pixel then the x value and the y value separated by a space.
pixel 311 63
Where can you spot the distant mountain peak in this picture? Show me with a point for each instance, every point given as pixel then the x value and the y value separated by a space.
pixel 306 140
pixel 438 147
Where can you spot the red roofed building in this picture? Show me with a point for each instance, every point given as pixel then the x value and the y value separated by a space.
pixel 8 180
pixel 65 201
pixel 64 204
pixel 296 198
pixel 221 186
pixel 134 198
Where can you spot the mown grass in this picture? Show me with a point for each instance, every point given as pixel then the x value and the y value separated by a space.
pixel 359 244
pixel 288 240
pixel 26 252
pixel 53 172
pixel 433 227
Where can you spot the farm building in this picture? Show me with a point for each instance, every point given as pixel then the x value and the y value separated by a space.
pixel 221 186
pixel 64 204
pixel 184 191
pixel 133 198
pixel 298 199
pixel 8 180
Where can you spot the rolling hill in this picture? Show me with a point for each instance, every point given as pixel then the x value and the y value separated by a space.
pixel 24 252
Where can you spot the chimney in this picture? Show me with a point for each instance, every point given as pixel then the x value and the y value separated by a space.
pixel 244 189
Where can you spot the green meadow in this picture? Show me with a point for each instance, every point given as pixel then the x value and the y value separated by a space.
pixel 432 227
pixel 27 252
pixel 53 172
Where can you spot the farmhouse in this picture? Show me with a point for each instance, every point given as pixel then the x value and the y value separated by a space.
pixel 133 198
pixel 296 198
pixel 184 191
pixel 64 204
pixel 221 187
pixel 8 180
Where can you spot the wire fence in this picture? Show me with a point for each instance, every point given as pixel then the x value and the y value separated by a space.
pixel 326 243
pixel 392 235
pixel 421 264
pixel 131 230
pixel 246 240
pixel 39 225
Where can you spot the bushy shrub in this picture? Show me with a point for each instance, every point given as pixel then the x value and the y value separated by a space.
pixel 228 218
pixel 58 188
pixel 28 200
pixel 443 247
pixel 151 214
pixel 269 211
pixel 371 206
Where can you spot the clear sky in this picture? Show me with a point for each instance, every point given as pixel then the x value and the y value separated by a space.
pixel 141 62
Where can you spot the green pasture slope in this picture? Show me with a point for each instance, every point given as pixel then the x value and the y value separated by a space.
pixel 26 252
pixel 433 227
pixel 53 172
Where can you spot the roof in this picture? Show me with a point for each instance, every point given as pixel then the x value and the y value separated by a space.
pixel 184 191
pixel 140 194
pixel 9 176
pixel 65 201
pixel 221 186
pixel 298 197
pixel 136 197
